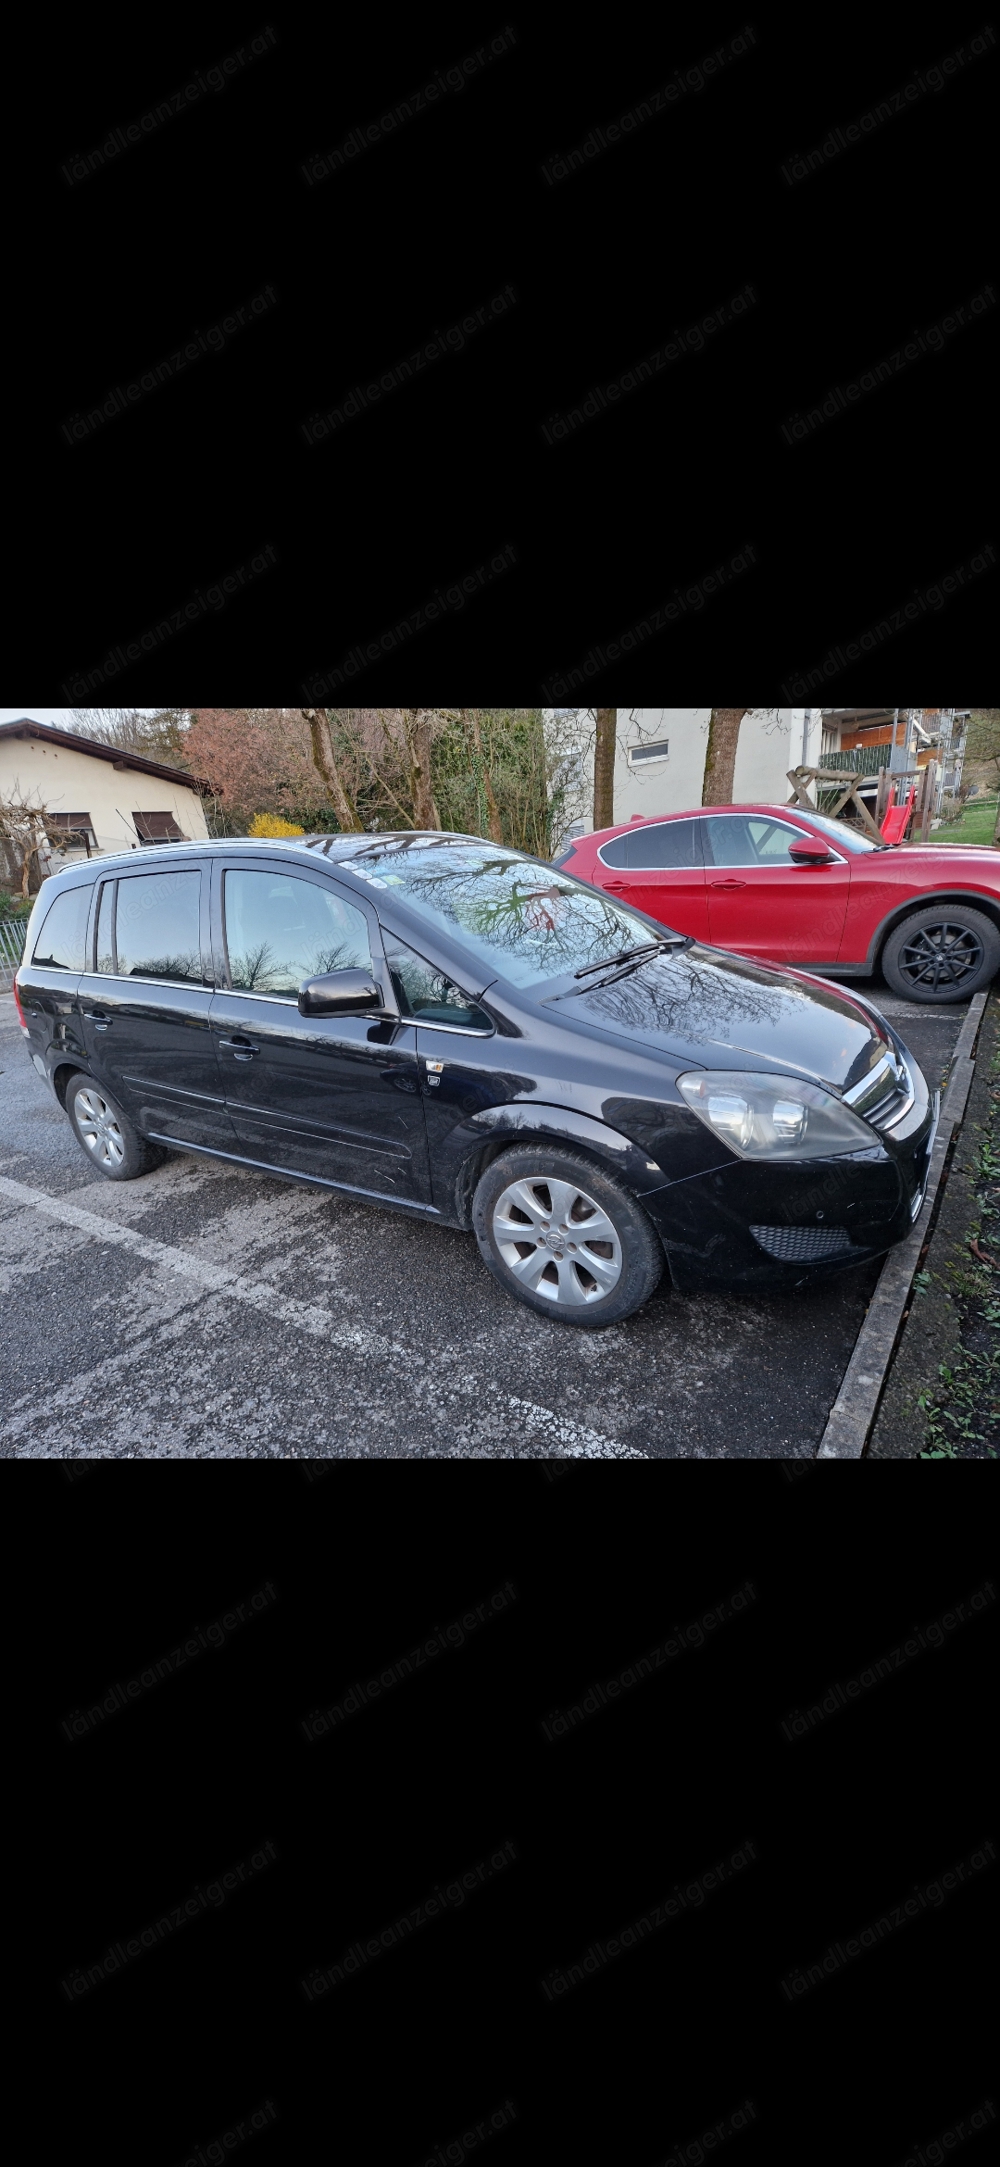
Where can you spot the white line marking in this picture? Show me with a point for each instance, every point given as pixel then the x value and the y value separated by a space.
pixel 570 1440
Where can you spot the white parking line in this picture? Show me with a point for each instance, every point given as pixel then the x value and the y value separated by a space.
pixel 569 1440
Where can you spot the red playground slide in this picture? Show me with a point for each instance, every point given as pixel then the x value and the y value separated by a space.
pixel 897 819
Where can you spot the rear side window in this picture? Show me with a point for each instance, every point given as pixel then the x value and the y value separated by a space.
pixel 157 927
pixel 564 855
pixel 676 842
pixel 281 930
pixel 615 852
pixel 60 943
pixel 425 994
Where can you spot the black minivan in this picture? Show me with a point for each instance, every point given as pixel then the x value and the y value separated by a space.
pixel 460 1031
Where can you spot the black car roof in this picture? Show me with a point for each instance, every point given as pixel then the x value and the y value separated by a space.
pixel 337 848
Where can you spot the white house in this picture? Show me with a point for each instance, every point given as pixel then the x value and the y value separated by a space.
pixel 108 799
pixel 660 758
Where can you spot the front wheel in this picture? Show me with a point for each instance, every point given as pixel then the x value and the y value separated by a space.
pixel 943 953
pixel 105 1134
pixel 564 1237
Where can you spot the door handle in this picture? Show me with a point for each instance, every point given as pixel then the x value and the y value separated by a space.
pixel 241 1048
pixel 617 887
pixel 100 1021
pixel 729 883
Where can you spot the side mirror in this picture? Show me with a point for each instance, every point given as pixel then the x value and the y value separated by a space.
pixel 340 993
pixel 809 852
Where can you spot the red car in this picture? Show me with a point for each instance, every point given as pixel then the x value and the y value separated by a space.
pixel 785 886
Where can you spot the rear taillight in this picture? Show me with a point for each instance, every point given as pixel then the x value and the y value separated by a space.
pixel 20 1011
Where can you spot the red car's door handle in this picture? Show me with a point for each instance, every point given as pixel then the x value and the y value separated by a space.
pixel 617 887
pixel 729 883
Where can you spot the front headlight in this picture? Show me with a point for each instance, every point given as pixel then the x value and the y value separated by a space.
pixel 773 1117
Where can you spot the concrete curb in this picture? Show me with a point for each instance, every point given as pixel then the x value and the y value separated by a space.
pixel 853 1412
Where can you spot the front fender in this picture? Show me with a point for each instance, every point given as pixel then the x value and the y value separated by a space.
pixel 517 1122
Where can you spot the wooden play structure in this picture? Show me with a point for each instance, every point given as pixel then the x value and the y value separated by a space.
pixel 895 815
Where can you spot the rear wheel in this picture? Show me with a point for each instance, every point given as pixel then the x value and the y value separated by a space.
pixel 105 1134
pixel 942 953
pixel 564 1237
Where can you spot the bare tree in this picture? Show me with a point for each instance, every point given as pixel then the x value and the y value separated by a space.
pixel 720 755
pixel 327 769
pixel 470 718
pixel 156 733
pixel 417 725
pixel 605 745
pixel 30 839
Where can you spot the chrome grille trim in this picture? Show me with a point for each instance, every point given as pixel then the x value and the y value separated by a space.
pixel 885 1094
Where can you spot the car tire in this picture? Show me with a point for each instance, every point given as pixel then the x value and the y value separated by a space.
pixel 522 1202
pixel 942 953
pixel 108 1139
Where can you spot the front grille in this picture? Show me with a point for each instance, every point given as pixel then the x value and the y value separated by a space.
pixel 802 1244
pixel 884 1095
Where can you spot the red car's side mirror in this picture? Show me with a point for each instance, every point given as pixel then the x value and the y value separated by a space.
pixel 809 852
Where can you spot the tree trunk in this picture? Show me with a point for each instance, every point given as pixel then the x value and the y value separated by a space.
pixel 720 755
pixel 326 767
pixel 417 726
pixel 996 831
pixel 493 823
pixel 605 742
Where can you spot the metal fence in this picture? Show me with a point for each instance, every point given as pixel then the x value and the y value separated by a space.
pixel 12 932
pixel 865 760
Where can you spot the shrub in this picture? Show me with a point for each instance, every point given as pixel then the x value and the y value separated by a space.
pixel 272 824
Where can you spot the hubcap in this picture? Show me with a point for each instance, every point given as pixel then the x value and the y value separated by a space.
pixel 99 1129
pixel 941 955
pixel 557 1241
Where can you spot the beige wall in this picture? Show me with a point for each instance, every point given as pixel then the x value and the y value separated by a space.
pixel 769 744
pixel 66 781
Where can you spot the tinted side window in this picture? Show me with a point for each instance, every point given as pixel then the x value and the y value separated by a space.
pixel 157 928
pixel 425 994
pixel 616 852
pixel 61 937
pixel 748 839
pixel 281 930
pixel 563 856
pixel 677 842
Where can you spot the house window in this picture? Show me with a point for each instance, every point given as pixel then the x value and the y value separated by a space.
pixel 659 750
pixel 158 828
pixel 78 829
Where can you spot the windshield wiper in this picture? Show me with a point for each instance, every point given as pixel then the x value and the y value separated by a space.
pixel 646 948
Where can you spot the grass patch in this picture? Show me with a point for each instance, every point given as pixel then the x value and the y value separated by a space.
pixel 963 1409
pixel 975 826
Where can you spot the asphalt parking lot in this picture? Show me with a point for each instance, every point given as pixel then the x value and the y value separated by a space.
pixel 208 1313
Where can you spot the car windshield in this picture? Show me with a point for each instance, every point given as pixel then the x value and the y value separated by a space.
pixel 847 838
pixel 523 920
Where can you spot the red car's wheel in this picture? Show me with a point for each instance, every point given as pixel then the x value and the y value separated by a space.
pixel 942 954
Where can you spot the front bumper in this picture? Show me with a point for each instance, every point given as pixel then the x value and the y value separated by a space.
pixel 774 1224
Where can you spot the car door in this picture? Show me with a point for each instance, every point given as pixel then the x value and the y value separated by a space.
pixel 336 1097
pixel 145 999
pixel 658 867
pixel 760 903
pixel 466 1064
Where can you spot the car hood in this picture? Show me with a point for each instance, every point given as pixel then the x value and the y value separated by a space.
pixel 940 864
pixel 704 1008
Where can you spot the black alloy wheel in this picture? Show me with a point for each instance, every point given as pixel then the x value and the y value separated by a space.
pixel 941 955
